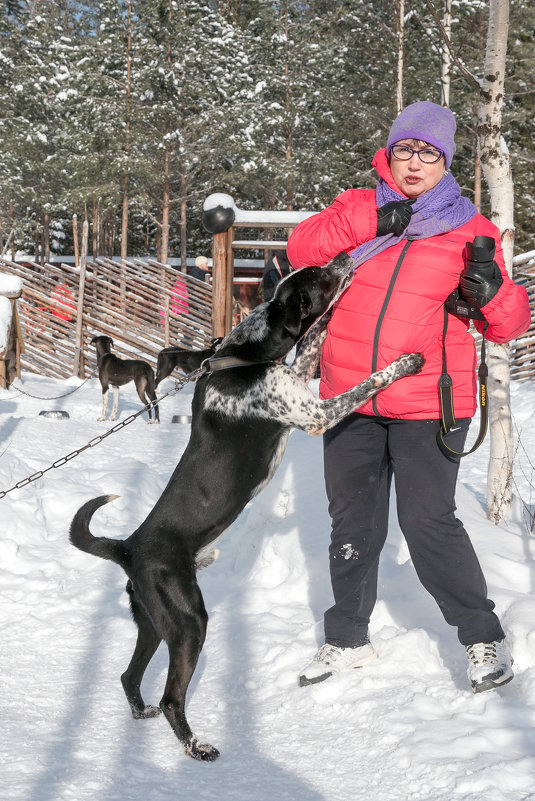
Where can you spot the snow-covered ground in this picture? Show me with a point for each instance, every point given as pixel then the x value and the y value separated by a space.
pixel 405 727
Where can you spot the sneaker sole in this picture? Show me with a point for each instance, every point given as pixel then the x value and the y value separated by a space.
pixel 492 684
pixel 304 681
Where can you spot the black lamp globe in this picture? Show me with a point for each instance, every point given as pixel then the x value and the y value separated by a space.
pixel 218 213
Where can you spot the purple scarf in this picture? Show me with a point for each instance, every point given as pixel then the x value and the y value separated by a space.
pixel 437 211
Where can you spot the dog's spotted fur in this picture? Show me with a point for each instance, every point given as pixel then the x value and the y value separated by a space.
pixel 241 418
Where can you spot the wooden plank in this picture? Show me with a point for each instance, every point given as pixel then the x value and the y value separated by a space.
pixel 259 244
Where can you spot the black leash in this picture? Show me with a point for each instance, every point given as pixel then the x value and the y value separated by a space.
pixel 54 397
pixel 445 388
pixel 208 366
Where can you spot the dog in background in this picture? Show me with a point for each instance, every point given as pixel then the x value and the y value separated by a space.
pixel 116 372
pixel 176 358
pixel 242 415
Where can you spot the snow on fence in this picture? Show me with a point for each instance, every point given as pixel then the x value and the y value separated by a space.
pixel 143 305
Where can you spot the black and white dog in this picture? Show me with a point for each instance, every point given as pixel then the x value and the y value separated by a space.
pixel 176 358
pixel 242 415
pixel 116 372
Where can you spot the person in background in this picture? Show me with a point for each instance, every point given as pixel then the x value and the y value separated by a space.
pixel 201 268
pixel 410 239
pixel 277 267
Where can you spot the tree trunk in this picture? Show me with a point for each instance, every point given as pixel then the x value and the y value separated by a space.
pixel 37 243
pixel 128 109
pixel 75 239
pixel 496 168
pixel 165 210
pixel 400 32
pixel 445 78
pixel 95 236
pixel 183 222
pixel 477 180
pixel 45 256
pixel 288 115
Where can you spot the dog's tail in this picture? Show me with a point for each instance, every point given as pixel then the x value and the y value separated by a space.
pixel 82 538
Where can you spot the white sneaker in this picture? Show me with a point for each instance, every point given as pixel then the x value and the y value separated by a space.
pixel 489 665
pixel 331 659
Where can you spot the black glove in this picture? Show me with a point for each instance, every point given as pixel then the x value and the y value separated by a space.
pixel 393 218
pixel 481 277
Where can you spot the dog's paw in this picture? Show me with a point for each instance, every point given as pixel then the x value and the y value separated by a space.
pixel 411 363
pixel 147 712
pixel 201 751
pixel 209 559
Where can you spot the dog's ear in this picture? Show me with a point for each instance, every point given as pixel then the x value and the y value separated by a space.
pixel 93 341
pixel 296 309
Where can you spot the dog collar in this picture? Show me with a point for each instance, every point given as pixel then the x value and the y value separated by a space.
pixel 216 363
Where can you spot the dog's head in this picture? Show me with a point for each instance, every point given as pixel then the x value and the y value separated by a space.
pixel 301 298
pixel 102 343
pixel 305 295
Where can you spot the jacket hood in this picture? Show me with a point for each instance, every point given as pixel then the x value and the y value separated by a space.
pixel 382 167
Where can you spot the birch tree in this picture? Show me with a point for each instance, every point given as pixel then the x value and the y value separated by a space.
pixel 496 166
pixel 445 79
pixel 400 31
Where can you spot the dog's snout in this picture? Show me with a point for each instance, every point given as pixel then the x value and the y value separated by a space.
pixel 341 265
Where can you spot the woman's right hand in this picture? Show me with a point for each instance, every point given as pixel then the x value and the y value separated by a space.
pixel 394 217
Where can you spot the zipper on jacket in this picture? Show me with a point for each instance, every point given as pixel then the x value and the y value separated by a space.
pixel 382 315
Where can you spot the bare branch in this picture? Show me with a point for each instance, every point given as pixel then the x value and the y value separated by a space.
pixel 472 80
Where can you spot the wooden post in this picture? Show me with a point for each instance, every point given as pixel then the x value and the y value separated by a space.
pixel 167 309
pixel 10 355
pixel 229 284
pixel 78 367
pixel 221 302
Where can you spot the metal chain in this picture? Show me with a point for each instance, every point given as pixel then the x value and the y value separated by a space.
pixel 55 397
pixel 179 384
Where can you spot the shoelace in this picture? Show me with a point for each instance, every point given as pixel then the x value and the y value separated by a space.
pixel 482 652
pixel 326 652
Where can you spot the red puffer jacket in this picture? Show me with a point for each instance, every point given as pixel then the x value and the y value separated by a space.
pixel 395 305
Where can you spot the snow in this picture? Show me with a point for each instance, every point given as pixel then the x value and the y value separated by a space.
pixel 405 728
pixel 255 216
pixel 5 321
pixel 10 284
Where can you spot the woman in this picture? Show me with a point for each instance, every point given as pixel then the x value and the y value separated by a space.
pixel 408 239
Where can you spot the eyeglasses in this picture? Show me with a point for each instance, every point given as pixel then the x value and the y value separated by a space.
pixel 428 155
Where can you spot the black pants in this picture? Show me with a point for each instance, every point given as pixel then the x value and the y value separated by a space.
pixel 360 456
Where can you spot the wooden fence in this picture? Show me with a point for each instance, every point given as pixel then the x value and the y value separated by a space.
pixel 523 348
pixel 143 305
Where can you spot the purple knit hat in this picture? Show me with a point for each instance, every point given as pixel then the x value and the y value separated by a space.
pixel 426 121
